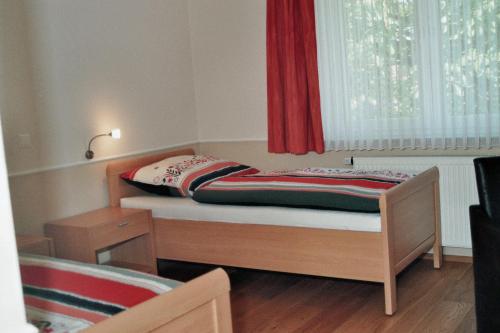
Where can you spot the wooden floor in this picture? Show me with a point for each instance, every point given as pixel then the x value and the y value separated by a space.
pixel 429 300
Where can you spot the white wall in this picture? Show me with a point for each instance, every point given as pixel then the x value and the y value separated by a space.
pixel 96 65
pixel 228 39
pixel 12 313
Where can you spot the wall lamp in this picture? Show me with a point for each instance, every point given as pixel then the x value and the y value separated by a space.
pixel 115 134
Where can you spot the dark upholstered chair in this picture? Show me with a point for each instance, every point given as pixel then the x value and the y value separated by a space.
pixel 485 229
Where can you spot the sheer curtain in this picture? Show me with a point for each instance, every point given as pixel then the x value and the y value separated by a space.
pixel 408 73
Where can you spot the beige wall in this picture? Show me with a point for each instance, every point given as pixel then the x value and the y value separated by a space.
pixel 17 99
pixel 83 67
pixel 228 39
pixel 72 69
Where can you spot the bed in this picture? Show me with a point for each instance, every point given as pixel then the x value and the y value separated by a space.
pixel 68 296
pixel 408 226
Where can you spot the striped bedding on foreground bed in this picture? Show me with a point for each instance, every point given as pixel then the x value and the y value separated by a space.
pixel 66 296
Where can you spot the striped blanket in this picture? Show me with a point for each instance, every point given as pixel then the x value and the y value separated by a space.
pixel 319 188
pixel 66 296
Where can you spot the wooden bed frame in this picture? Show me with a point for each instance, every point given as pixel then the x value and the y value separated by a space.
pixel 410 227
pixel 201 305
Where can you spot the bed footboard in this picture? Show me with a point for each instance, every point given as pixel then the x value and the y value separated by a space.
pixel 200 305
pixel 410 227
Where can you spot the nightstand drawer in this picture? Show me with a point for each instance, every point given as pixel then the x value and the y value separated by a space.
pixel 120 230
pixel 35 245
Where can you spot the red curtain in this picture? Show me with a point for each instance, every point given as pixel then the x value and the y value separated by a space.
pixel 294 114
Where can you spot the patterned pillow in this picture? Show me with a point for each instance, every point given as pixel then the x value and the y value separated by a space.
pixel 179 176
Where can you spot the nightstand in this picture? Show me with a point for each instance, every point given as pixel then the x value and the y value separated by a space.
pixel 35 245
pixel 126 233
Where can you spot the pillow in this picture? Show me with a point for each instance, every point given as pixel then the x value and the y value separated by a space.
pixel 319 188
pixel 179 176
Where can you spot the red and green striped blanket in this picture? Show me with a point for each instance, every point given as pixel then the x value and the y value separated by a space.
pixel 67 296
pixel 319 188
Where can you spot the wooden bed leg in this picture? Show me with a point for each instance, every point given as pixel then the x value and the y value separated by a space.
pixel 390 295
pixel 437 248
pixel 437 251
pixel 388 252
pixel 437 255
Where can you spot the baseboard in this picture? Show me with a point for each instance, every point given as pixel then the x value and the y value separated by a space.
pixel 453 254
pixel 457 251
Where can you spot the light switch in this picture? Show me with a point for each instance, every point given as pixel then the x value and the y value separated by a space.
pixel 24 140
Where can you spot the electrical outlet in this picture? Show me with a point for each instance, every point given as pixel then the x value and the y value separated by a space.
pixel 24 140
pixel 348 160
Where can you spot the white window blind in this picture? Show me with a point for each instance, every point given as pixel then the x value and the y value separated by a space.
pixel 409 73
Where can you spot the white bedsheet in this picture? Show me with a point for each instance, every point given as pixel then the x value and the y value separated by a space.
pixel 188 209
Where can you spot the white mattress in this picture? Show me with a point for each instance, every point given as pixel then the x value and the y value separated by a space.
pixel 188 209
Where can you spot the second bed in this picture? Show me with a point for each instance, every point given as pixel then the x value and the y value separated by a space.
pixel 359 246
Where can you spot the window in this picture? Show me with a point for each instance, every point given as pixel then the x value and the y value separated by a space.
pixel 408 73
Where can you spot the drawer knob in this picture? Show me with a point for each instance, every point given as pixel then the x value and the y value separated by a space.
pixel 123 224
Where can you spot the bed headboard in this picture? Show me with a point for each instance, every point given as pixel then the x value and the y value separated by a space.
pixel 118 188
